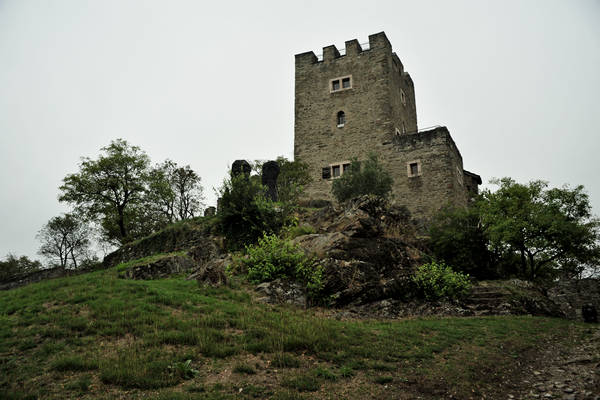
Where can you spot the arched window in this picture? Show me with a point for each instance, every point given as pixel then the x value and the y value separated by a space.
pixel 341 119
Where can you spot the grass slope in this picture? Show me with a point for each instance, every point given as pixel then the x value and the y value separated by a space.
pixel 97 336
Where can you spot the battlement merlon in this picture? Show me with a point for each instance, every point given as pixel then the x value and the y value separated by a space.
pixel 306 58
pixel 377 42
pixel 330 53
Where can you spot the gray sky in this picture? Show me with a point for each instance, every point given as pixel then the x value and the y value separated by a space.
pixel 516 83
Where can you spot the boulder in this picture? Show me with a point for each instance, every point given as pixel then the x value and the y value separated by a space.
pixel 282 291
pixel 161 268
pixel 212 272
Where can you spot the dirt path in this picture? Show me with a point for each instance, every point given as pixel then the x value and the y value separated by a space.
pixel 567 374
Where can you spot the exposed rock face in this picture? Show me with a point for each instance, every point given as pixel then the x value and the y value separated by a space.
pixel 572 295
pixel 212 272
pixel 368 251
pixel 169 240
pixel 282 291
pixel 161 268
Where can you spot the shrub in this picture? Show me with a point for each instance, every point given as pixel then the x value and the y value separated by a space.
pixel 273 258
pixel 245 214
pixel 437 280
pixel 358 180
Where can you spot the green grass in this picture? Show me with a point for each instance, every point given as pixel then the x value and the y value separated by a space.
pixel 103 336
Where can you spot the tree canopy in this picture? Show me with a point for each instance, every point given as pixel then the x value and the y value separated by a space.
pixel 525 230
pixel 66 241
pixel 107 189
pixel 122 194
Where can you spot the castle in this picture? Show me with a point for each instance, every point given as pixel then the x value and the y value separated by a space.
pixel 349 105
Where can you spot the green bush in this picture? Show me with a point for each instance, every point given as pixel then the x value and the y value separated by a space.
pixel 273 258
pixel 368 177
pixel 245 214
pixel 437 280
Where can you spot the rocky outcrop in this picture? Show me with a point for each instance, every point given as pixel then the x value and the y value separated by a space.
pixel 183 236
pixel 572 295
pixel 211 272
pixel 283 292
pixel 368 250
pixel 161 268
pixel 44 274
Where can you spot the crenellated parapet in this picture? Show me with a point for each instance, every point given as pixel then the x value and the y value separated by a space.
pixel 377 42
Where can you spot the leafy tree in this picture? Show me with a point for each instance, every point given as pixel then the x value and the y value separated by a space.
pixel 457 237
pixel 65 241
pixel 13 266
pixel 549 230
pixel 367 177
pixel 174 192
pixel 293 176
pixel 109 189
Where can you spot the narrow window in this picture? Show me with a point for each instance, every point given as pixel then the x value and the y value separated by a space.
pixel 414 169
pixel 346 83
pixel 345 168
pixel 326 172
pixel 402 97
pixel 403 127
pixel 335 85
pixel 336 171
pixel 341 119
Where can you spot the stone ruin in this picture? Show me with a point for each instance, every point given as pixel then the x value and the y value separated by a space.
pixel 240 167
pixel 270 172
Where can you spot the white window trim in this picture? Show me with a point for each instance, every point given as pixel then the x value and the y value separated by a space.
pixel 408 171
pixel 342 88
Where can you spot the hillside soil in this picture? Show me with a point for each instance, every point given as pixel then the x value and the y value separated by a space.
pixel 98 336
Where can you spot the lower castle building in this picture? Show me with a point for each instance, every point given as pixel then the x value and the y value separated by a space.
pixel 349 105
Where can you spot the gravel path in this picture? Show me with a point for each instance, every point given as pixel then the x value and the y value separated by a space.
pixel 570 374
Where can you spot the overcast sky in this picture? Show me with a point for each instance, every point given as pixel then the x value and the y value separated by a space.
pixel 517 84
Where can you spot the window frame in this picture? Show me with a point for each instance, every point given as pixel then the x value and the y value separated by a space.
pixel 340 80
pixel 341 113
pixel 343 167
pixel 409 165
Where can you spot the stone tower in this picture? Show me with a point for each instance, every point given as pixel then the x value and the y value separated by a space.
pixel 348 105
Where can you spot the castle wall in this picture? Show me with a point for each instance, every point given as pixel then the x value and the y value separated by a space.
pixel 439 181
pixel 380 117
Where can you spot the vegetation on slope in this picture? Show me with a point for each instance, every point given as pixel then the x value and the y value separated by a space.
pixel 97 336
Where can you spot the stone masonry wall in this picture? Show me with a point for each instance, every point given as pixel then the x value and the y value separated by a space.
pixel 379 104
pixel 370 116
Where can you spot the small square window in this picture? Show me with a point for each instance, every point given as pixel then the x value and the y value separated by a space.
pixel 336 171
pixel 413 168
pixel 341 83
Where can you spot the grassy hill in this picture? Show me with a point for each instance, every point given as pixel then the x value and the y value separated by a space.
pixel 96 336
